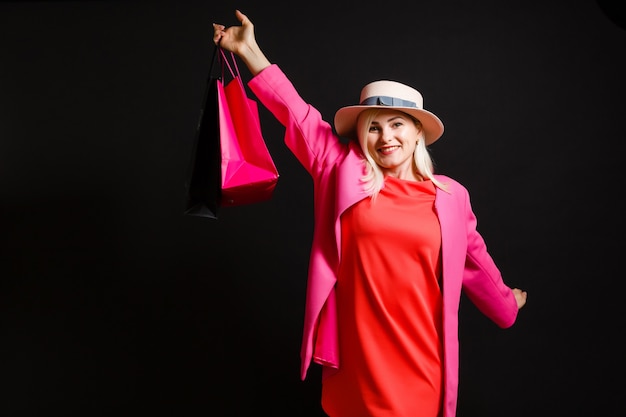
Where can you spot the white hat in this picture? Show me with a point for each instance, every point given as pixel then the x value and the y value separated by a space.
pixel 389 95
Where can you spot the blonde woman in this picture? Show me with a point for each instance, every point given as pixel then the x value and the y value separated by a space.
pixel 394 245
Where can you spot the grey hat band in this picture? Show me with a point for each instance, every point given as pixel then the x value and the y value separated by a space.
pixel 387 101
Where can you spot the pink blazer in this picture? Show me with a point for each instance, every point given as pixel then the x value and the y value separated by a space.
pixel 336 168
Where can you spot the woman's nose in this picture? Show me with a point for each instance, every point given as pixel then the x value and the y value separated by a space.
pixel 387 135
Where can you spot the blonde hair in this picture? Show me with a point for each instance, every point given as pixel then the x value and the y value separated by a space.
pixel 374 179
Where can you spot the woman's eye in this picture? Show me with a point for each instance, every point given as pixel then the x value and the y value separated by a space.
pixel 374 128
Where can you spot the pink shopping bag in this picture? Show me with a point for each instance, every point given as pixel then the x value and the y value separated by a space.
pixel 249 174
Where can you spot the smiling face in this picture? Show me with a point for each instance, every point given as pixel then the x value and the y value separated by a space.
pixel 391 141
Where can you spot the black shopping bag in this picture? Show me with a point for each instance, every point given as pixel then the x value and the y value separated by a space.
pixel 203 185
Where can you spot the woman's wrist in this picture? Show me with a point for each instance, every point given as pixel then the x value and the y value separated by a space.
pixel 254 58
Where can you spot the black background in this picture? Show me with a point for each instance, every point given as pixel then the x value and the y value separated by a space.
pixel 114 303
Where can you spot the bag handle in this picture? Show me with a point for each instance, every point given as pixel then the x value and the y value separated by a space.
pixel 235 74
pixel 213 59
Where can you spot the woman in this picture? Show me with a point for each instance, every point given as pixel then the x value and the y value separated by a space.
pixel 393 246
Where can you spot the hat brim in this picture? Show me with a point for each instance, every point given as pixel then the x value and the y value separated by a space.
pixel 345 120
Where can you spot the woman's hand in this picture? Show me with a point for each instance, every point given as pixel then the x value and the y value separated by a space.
pixel 241 41
pixel 520 297
pixel 235 38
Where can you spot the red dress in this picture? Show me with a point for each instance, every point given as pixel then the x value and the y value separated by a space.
pixel 389 307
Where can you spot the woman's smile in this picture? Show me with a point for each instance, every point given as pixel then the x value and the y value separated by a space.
pixel 388 150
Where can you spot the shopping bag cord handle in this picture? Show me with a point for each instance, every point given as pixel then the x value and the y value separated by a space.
pixel 234 74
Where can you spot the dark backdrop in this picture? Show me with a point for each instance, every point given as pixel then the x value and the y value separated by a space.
pixel 114 303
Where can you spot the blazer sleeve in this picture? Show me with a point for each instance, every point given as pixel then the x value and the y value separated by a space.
pixel 307 135
pixel 482 280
